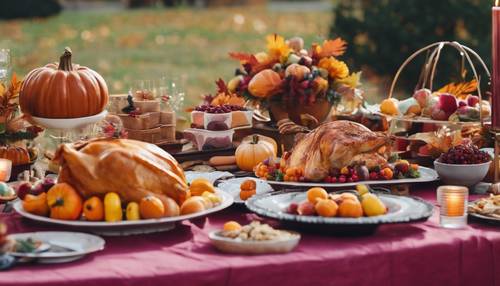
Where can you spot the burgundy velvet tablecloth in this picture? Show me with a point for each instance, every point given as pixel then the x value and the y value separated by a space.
pixel 403 254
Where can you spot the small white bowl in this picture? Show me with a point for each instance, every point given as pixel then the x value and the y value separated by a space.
pixel 231 245
pixel 461 175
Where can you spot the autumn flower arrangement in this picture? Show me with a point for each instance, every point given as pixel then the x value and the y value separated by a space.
pixel 13 125
pixel 288 72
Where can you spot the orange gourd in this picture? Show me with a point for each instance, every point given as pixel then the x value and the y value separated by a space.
pixel 36 204
pixel 299 72
pixel 251 153
pixel 18 155
pixel 264 84
pixel 64 202
pixel 63 90
pixel 93 209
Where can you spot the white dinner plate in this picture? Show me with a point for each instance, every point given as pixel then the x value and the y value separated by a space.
pixel 426 175
pixel 69 123
pixel 400 209
pixel 238 246
pixel 75 245
pixel 232 187
pixel 126 227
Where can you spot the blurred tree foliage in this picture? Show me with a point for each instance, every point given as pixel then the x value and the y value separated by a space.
pixel 13 9
pixel 383 33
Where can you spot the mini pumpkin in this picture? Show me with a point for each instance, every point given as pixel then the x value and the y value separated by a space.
pixel 248 188
pixel 200 185
pixel 63 90
pixel 299 72
pixel 64 202
pixel 18 155
pixel 265 84
pixel 93 209
pixel 252 152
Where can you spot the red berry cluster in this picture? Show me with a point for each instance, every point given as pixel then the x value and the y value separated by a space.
pixel 226 108
pixel 344 175
pixel 464 154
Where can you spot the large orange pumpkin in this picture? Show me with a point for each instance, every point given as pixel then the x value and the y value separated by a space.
pixel 64 202
pixel 18 155
pixel 63 90
pixel 253 150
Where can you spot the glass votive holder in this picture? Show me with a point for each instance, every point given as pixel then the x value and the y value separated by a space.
pixel 5 169
pixel 453 206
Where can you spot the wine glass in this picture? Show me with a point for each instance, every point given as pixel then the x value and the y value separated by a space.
pixel 145 90
pixel 5 63
pixel 177 92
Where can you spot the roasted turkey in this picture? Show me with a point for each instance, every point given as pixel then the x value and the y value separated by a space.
pixel 132 169
pixel 338 144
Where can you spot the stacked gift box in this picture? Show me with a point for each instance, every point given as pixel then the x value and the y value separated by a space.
pixel 143 119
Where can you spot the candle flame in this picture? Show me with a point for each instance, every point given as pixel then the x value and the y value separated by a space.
pixel 497 3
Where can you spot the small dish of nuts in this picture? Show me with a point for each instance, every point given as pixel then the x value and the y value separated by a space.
pixel 253 238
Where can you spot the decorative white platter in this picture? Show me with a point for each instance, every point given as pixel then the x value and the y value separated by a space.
pixel 232 187
pixel 122 228
pixel 401 209
pixel 426 175
pixel 69 123
pixel 238 246
pixel 59 246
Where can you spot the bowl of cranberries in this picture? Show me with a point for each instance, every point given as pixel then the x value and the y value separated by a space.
pixel 463 165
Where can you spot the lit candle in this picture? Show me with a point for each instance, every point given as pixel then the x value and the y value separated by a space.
pixel 495 91
pixel 453 201
pixel 5 169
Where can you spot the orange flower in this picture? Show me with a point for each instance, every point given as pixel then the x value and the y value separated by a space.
pixel 336 69
pixel 278 48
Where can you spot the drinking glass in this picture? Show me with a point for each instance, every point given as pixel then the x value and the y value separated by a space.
pixel 5 64
pixel 145 89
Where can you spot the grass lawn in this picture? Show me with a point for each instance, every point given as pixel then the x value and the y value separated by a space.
pixel 125 46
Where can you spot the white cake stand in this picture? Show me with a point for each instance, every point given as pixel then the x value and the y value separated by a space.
pixel 69 123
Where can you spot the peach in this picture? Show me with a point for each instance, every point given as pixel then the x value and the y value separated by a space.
pixel 350 208
pixel 422 96
pixel 326 208
pixel 313 194
pixel 306 208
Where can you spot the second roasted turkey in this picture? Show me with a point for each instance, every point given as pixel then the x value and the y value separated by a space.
pixel 337 144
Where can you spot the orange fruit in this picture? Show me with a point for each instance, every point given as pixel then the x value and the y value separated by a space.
pixel 93 209
pixel 151 207
pixel 313 194
pixel 231 226
pixel 248 185
pixel 326 208
pixel 171 207
pixel 349 196
pixel 193 205
pixel 245 195
pixel 350 208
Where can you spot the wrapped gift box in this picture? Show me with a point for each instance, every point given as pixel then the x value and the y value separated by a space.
pixel 167 117
pixel 140 122
pixel 147 135
pixel 167 132
pixel 145 106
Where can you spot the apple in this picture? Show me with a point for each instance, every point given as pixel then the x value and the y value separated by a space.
pixel 448 103
pixel 472 100
pixel 37 189
pixel 48 183
pixel 438 113
pixel 306 208
pixel 462 103
pixel 23 189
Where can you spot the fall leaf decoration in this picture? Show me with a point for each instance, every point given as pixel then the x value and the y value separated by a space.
pixel 244 58
pixel 353 80
pixel 221 86
pixel 461 89
pixel 329 48
pixel 9 96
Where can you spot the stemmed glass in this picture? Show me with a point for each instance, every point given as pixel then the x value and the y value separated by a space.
pixel 172 93
pixel 5 64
